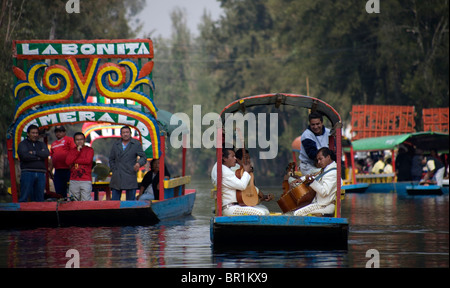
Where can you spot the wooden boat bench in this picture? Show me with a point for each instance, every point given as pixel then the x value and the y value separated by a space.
pixel 375 178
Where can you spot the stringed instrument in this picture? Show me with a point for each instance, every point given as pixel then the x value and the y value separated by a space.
pixel 249 196
pixel 297 197
pixel 289 172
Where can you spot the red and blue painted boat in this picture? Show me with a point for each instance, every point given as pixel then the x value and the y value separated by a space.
pixel 264 232
pixel 48 72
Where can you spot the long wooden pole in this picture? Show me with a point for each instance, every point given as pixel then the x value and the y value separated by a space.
pixel 307 86
pixel 338 162
pixel 219 172
pixel 12 170
pixel 161 167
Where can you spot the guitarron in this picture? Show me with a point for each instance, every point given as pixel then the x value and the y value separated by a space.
pixel 296 198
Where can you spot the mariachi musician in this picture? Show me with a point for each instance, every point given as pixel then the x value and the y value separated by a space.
pixel 325 185
pixel 243 156
pixel 231 183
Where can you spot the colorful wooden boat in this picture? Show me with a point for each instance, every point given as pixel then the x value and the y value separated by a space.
pixel 121 71
pixel 279 231
pixel 94 213
pixel 387 183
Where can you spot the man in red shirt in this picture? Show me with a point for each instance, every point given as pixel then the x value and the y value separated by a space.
pixel 80 161
pixel 58 152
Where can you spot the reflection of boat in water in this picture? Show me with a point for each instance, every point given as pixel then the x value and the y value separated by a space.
pixel 124 97
pixel 301 232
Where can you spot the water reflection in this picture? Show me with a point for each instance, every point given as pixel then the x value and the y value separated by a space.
pixel 407 231
pixel 155 246
pixel 281 259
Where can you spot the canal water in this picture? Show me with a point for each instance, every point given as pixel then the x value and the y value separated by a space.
pixel 386 230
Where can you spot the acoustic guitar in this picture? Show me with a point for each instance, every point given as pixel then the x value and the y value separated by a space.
pixel 249 196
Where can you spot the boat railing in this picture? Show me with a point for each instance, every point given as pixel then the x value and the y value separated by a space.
pixel 176 186
pixel 375 178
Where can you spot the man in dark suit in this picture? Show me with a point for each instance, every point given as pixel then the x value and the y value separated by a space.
pixel 125 159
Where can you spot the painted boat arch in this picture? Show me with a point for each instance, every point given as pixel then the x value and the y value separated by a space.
pixel 80 113
pixel 119 69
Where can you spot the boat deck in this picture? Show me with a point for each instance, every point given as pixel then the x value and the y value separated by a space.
pixel 279 231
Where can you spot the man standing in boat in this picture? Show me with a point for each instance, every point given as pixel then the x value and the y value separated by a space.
pixel 125 159
pixel 58 152
pixel 80 161
pixel 231 183
pixel 325 185
pixel 313 138
pixel 32 154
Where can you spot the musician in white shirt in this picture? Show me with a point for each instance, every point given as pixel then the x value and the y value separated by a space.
pixel 325 185
pixel 231 183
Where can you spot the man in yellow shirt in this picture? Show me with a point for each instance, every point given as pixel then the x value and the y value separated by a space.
pixel 379 166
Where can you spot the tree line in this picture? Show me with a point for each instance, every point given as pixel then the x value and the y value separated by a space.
pixel 330 49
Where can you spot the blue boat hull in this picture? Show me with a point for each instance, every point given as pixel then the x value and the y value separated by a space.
pixel 174 207
pixel 355 188
pixel 424 190
pixel 396 187
pixel 279 232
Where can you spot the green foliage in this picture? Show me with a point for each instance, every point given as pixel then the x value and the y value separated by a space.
pixel 330 49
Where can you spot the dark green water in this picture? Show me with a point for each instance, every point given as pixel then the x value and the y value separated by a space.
pixel 405 231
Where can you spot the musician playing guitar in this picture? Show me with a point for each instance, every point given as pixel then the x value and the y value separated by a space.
pixel 325 185
pixel 231 183
pixel 243 156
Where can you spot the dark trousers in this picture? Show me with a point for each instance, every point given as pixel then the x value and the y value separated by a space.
pixel 32 185
pixel 60 180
